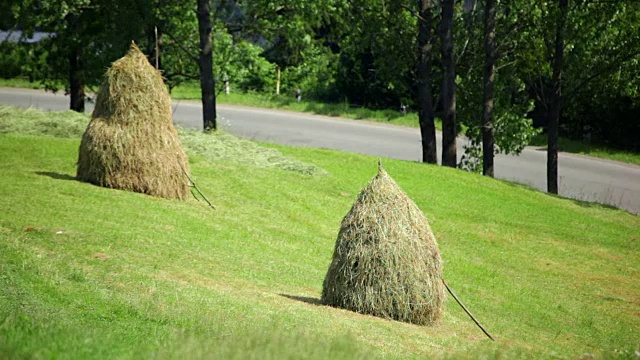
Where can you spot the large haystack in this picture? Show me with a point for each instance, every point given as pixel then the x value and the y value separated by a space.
pixel 131 143
pixel 386 261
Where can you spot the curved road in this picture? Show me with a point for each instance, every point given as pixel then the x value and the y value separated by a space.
pixel 580 177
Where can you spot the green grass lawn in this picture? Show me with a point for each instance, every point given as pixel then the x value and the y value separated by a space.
pixel 89 272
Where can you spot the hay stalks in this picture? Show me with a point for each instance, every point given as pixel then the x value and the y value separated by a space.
pixel 131 143
pixel 386 261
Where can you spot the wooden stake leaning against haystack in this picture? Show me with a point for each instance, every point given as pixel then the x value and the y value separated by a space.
pixel 386 261
pixel 130 143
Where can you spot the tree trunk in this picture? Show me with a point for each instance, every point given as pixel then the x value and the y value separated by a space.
pixel 488 147
pixel 556 98
pixel 449 156
pixel 76 83
pixel 207 82
pixel 425 102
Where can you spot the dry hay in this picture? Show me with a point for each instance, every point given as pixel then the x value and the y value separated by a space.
pixel 386 261
pixel 131 143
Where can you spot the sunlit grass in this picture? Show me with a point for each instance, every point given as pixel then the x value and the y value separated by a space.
pixel 93 272
pixel 37 122
pixel 217 146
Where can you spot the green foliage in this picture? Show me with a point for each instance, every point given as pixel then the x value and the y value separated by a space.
pixel 239 60
pixel 179 40
pixel 377 55
pixel 359 52
pixel 243 65
pixel 600 98
pixel 302 39
pixel 605 111
pixel 20 60
pixel 315 77
pixel 512 129
pixel 13 57
pixel 94 30
pixel 291 29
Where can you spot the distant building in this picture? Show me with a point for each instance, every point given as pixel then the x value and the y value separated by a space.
pixel 17 36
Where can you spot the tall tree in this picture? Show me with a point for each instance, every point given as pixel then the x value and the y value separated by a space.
pixel 488 147
pixel 66 57
pixel 425 100
pixel 76 76
pixel 448 89
pixel 600 73
pixel 207 81
pixel 556 98
pixel 589 83
pixel 86 36
pixel 491 84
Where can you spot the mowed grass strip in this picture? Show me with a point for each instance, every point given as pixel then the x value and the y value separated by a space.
pixel 93 272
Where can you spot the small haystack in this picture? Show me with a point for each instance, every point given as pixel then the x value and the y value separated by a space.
pixel 386 261
pixel 131 143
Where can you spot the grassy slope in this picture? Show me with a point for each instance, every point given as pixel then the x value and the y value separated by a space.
pixel 133 276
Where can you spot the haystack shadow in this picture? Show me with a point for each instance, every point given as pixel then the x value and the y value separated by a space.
pixel 308 300
pixel 55 175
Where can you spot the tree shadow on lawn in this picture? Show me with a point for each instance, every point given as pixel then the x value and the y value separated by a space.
pixel 308 300
pixel 56 176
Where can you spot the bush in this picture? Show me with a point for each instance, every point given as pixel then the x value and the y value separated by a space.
pixel 20 60
pixel 315 76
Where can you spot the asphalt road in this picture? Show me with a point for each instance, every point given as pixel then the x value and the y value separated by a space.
pixel 580 177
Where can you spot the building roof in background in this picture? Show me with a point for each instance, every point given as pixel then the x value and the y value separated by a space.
pixel 17 36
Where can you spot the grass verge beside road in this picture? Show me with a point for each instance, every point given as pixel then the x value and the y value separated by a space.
pixel 92 272
pixel 344 110
pixel 583 148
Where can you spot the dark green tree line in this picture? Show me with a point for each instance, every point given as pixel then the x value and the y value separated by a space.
pixel 490 67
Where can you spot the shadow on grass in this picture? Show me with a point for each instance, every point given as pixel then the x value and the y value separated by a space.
pixel 594 204
pixel 308 300
pixel 56 176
